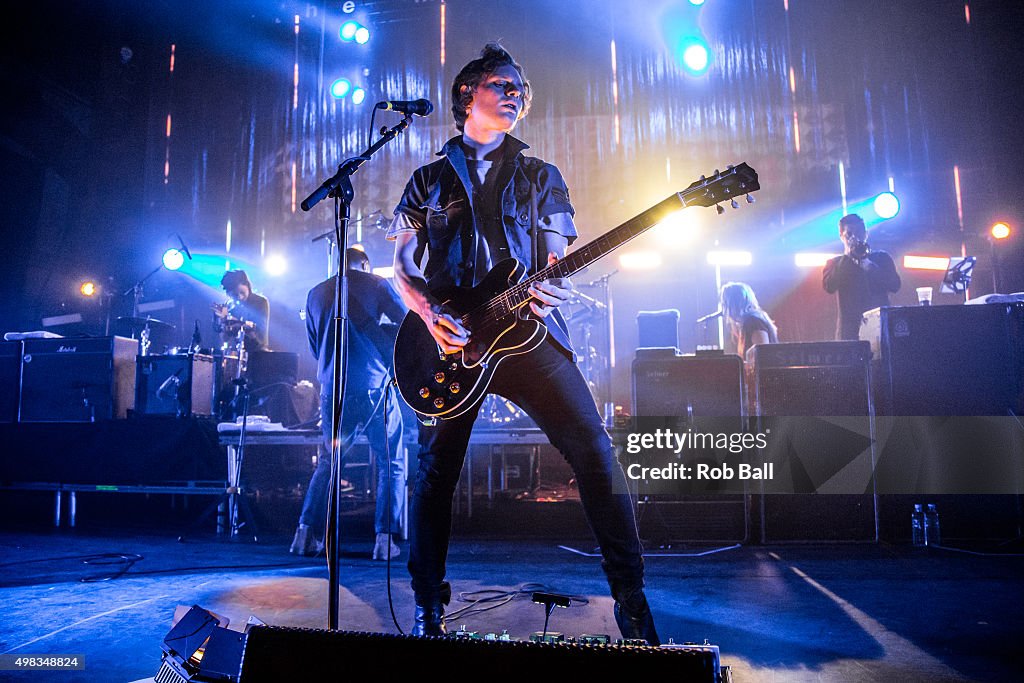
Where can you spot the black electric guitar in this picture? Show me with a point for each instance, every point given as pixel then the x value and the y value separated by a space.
pixel 497 315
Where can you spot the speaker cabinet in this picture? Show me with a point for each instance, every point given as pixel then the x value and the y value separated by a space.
pixel 10 380
pixel 77 379
pixel 666 384
pixel 946 360
pixel 814 379
pixel 174 385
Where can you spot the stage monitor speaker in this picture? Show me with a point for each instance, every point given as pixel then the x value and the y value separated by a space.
pixel 272 367
pixel 284 654
pixel 10 379
pixel 77 379
pixel 658 329
pixel 180 385
pixel 666 384
pixel 947 360
pixel 814 379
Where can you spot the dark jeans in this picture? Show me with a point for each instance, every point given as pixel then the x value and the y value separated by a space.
pixel 550 388
pixel 390 487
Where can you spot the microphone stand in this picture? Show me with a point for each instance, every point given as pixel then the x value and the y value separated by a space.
pixel 339 186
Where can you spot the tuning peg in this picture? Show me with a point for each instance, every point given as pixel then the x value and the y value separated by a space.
pixel 717 172
pixel 750 199
pixel 729 167
pixel 702 179
pixel 734 204
pixel 719 209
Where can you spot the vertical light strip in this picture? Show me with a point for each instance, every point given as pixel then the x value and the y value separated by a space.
pixel 796 131
pixel 444 9
pixel 668 169
pixel 892 185
pixel 967 13
pixel 842 185
pixel 792 80
pixel 959 197
pixel 294 168
pixel 295 86
pixel 167 135
pixel 172 58
pixel 263 242
pixel 615 92
pixel 227 238
pixel 785 5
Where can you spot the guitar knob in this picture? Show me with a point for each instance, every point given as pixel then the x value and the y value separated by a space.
pixel 424 392
pixel 439 378
pixel 439 402
pixel 454 388
pixel 453 367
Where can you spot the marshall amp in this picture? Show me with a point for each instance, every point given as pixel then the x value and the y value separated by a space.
pixel 667 384
pixel 77 379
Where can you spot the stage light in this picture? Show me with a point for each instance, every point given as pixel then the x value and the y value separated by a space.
pixel 640 260
pixel 926 262
pixel 358 95
pixel 696 3
pixel 696 57
pixel 275 265
pixel 89 288
pixel 1000 231
pixel 886 205
pixel 340 88
pixel 173 259
pixel 362 35
pixel 813 260
pixel 348 30
pixel 678 229
pixel 730 258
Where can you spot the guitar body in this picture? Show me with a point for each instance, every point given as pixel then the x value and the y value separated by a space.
pixel 442 386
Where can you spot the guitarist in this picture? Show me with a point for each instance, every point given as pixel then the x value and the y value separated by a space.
pixel 468 211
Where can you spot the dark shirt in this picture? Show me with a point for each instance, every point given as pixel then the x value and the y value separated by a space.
pixel 859 288
pixel 752 323
pixel 371 339
pixel 439 204
pixel 255 309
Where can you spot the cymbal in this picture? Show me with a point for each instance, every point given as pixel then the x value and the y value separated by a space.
pixel 140 323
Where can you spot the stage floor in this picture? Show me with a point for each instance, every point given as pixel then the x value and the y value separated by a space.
pixel 779 613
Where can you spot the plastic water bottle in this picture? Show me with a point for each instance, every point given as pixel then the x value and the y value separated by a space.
pixel 932 533
pixel 917 526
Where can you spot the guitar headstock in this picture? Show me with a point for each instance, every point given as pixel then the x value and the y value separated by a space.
pixel 727 185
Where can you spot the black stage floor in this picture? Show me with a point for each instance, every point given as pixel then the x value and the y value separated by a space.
pixel 779 613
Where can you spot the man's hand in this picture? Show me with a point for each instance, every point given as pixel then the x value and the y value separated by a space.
pixel 220 310
pixel 550 293
pixel 445 327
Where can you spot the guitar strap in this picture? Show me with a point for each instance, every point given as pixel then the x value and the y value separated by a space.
pixel 534 225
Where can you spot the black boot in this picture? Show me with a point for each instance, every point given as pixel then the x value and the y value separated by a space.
pixel 429 621
pixel 633 615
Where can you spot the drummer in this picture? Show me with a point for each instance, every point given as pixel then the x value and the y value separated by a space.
pixel 245 309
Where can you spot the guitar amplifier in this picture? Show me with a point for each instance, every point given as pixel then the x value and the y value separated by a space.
pixel 77 379
pixel 810 378
pixel 946 360
pixel 179 385
pixel 814 379
pixel 667 384
pixel 10 378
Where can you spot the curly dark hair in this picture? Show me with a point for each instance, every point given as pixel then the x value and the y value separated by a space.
pixel 492 57
pixel 233 278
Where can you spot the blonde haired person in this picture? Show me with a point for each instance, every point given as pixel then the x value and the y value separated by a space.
pixel 748 323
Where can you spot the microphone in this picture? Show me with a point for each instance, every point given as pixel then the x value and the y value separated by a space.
pixel 419 107
pixel 171 383
pixel 710 316
pixel 184 247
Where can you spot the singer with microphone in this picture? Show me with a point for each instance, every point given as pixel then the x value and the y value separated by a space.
pixel 861 278
pixel 468 211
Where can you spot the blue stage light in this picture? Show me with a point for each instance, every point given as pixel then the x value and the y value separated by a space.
pixel 358 95
pixel 696 57
pixel 340 88
pixel 348 30
pixel 696 3
pixel 173 259
pixel 362 35
pixel 886 205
